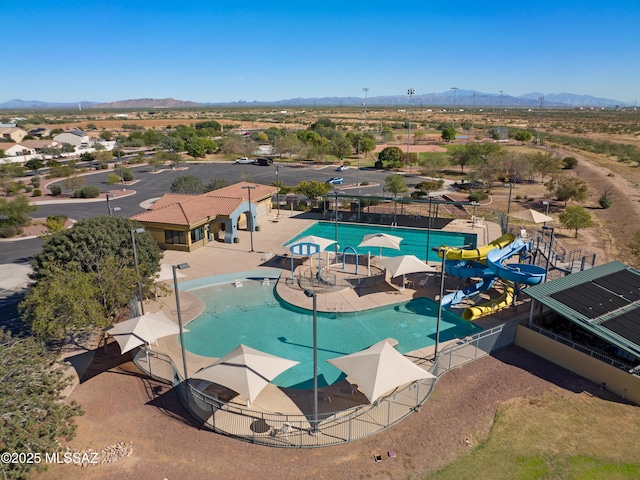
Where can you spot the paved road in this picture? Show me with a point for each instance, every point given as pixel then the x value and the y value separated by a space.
pixel 153 185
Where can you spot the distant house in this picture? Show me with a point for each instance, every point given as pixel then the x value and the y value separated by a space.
pixel 37 145
pixel 40 132
pixel 74 136
pixel 15 149
pixel 13 133
pixel 187 222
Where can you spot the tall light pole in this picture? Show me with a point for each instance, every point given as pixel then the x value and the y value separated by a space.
pixel 278 185
pixel 365 90
pixel 473 115
pixel 510 185
pixel 500 118
pixel 111 210
pixel 135 259
pixel 335 212
pixel 453 113
pixel 310 293
pixel 249 188
pixel 410 92
pixel 358 166
pixel 441 251
pixel 541 99
pixel 120 161
pixel 181 266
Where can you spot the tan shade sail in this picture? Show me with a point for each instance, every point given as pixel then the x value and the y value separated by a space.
pixel 532 216
pixel 404 264
pixel 381 240
pixel 378 369
pixel 245 370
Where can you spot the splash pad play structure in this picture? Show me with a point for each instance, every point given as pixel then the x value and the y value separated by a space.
pixel 487 265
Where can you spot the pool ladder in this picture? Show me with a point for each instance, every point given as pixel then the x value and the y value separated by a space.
pixel 338 311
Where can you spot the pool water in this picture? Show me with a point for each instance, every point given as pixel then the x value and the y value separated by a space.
pixel 254 316
pixel 414 243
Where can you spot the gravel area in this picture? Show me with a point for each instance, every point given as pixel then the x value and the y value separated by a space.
pixel 122 407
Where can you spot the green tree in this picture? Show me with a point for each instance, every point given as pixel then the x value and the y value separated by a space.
pixel 575 218
pixel 34 164
pixel 448 134
pixel 569 163
pixel 395 184
pixel 340 147
pixel 209 124
pixel 523 136
pixel 544 164
pixel 196 147
pixel 187 184
pixel 159 158
pixel 312 188
pixel 428 186
pixel 476 153
pixel 106 135
pixel 605 200
pixel 571 188
pixel 102 246
pixel 64 301
pixel 34 417
pixel 15 213
pixel 392 156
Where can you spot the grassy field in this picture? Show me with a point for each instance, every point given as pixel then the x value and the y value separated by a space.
pixel 555 436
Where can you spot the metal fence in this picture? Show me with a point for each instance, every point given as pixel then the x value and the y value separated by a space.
pixel 306 431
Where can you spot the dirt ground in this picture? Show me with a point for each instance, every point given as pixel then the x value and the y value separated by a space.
pixel 121 405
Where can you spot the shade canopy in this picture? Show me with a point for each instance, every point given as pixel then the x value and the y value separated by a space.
pixel 147 328
pixel 405 264
pixel 532 216
pixel 323 242
pixel 379 369
pixel 381 240
pixel 245 370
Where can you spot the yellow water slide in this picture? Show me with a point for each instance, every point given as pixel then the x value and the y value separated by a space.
pixel 503 301
pixel 478 254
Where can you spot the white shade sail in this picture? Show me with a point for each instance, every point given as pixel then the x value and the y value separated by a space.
pixel 245 370
pixel 147 328
pixel 379 369
pixel 323 242
pixel 405 264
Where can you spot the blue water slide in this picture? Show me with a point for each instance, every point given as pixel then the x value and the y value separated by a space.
pixel 467 269
pixel 456 297
pixel 522 273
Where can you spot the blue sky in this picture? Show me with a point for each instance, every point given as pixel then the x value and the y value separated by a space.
pixel 213 51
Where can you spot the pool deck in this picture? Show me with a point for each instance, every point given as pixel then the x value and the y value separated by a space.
pixel 219 258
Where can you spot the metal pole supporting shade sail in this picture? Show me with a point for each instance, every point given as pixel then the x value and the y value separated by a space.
pixel 245 370
pixel 379 369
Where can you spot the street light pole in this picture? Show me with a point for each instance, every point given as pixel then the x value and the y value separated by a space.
pixel 135 259
pixel 442 251
pixel 310 293
pixel 120 161
pixel 109 195
pixel 278 185
pixel 506 228
pixel 453 113
pixel 249 188
pixel 335 212
pixel 500 118
pixel 410 92
pixel 541 99
pixel 181 266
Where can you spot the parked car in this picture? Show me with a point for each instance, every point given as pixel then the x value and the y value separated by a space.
pixel 243 160
pixel 342 168
pixel 265 162
pixel 335 180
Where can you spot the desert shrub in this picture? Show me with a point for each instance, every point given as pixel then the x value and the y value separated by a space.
pixel 56 189
pixel 569 163
pixel 477 196
pixel 113 179
pixel 35 181
pixel 28 189
pixel 605 201
pixel 90 191
pixel 8 232
pixel 37 192
pixel 127 174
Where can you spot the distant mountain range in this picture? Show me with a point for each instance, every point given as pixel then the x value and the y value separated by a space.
pixel 463 98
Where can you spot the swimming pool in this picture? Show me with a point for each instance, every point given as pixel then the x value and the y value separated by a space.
pixel 255 316
pixel 414 243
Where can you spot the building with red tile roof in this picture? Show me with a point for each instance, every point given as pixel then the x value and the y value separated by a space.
pixel 187 222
